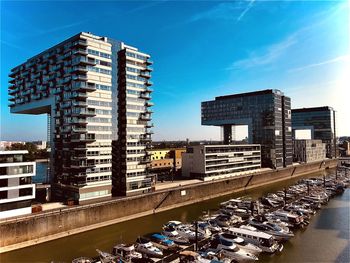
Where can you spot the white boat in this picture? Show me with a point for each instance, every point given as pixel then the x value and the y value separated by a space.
pixel 264 241
pixel 239 242
pixel 173 235
pixel 107 258
pixel 127 252
pixel 144 246
pixel 228 249
pixel 279 233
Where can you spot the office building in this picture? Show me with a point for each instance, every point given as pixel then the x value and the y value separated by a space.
pixel 209 162
pixel 16 188
pixel 268 117
pixel 306 151
pixel 96 93
pixel 320 121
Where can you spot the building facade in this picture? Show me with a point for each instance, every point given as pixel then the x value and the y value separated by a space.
pixel 16 188
pixel 209 162
pixel 94 89
pixel 306 151
pixel 321 122
pixel 166 163
pixel 267 114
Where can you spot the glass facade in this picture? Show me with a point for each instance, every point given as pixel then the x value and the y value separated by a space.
pixel 321 121
pixel 267 115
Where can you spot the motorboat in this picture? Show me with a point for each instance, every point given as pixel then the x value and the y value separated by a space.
pixel 107 258
pixel 145 246
pixel 278 232
pixel 173 235
pixel 164 241
pixel 248 247
pixel 127 252
pixel 229 249
pixel 264 241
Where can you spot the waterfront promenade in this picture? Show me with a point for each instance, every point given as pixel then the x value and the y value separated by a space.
pixel 50 225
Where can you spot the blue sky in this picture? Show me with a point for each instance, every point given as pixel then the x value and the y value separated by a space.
pixel 201 49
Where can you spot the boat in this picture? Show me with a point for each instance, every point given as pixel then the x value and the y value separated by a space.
pixel 239 242
pixel 278 232
pixel 228 249
pixel 83 260
pixel 264 241
pixel 127 252
pixel 173 235
pixel 163 241
pixel 145 247
pixel 108 258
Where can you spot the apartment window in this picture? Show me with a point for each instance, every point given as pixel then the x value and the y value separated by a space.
pixel 3 182
pixel 25 191
pixel 3 194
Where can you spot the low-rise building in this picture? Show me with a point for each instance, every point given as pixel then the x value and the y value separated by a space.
pixel 308 150
pixel 16 187
pixel 166 163
pixel 208 162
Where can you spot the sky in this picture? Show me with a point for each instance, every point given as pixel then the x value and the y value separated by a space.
pixel 200 49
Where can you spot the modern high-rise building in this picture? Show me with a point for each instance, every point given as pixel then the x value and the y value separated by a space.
pixel 267 114
pixel 16 188
pixel 321 122
pixel 96 93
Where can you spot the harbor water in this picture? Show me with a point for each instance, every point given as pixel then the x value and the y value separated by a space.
pixel 326 239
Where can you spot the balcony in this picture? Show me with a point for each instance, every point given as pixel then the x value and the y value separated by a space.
pixel 79 129
pixel 149 132
pixel 83 112
pixel 79 95
pixel 90 137
pixel 145 160
pixel 145 74
pixel 148 83
pixel 78 121
pixel 82 164
pixel 149 62
pixel 149 104
pixel 79 104
pixel 80 42
pixel 145 117
pixel 145 138
pixel 79 69
pixel 149 125
pixel 145 96
pixel 81 51
pixel 83 86
pixel 79 77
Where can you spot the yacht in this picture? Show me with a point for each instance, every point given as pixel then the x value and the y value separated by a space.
pixel 127 252
pixel 164 242
pixel 239 242
pixel 107 258
pixel 279 233
pixel 144 246
pixel 173 235
pixel 264 241
pixel 228 249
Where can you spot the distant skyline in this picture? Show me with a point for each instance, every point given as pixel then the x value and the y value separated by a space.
pixel 200 50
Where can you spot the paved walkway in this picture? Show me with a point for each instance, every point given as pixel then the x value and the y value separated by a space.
pixel 170 184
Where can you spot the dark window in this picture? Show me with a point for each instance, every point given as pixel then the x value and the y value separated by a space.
pixel 25 191
pixel 3 194
pixel 3 182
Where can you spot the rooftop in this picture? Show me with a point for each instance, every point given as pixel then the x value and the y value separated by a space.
pixel 322 108
pixel 248 94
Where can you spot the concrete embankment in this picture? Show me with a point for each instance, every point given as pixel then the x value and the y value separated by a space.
pixel 50 225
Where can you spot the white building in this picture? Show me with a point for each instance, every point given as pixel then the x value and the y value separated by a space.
pixel 16 188
pixel 209 162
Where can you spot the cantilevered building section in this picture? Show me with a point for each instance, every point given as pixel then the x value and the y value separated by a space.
pixel 320 121
pixel 267 114
pixel 77 83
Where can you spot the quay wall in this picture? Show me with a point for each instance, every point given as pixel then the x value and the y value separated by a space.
pixel 49 225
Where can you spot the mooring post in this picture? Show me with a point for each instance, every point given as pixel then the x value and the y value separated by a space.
pixel 196 228
pixel 308 187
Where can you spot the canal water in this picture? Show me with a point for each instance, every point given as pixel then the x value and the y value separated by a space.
pixel 326 239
